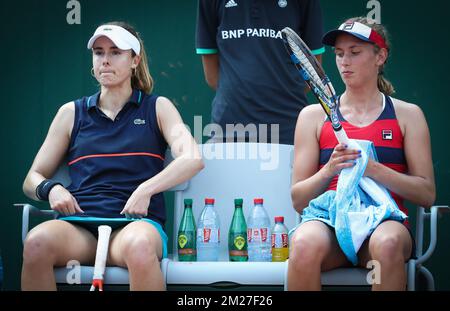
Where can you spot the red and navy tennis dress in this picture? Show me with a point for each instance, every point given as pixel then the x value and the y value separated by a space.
pixel 386 136
pixel 108 159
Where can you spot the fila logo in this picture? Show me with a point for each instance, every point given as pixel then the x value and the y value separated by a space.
pixel 231 4
pixel 348 26
pixel 386 134
pixel 139 121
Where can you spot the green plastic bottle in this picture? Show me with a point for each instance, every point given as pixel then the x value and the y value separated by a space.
pixel 237 235
pixel 187 250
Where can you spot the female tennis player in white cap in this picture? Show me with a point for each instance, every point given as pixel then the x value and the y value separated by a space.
pixel 114 142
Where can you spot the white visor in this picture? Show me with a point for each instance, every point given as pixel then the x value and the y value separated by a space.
pixel 121 37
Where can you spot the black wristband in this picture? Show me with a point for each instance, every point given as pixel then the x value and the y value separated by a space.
pixel 44 188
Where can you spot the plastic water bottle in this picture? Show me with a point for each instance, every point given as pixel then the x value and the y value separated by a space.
pixel 280 241
pixel 187 231
pixel 258 233
pixel 208 233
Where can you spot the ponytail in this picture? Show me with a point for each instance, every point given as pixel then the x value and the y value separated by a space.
pixel 384 85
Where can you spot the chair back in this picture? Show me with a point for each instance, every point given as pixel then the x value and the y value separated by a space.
pixel 240 170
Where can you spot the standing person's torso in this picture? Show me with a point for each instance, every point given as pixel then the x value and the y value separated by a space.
pixel 258 83
pixel 108 159
pixel 384 132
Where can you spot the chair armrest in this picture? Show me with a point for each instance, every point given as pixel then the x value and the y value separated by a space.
pixel 433 216
pixel 28 210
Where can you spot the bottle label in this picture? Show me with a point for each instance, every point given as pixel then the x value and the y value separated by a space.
pixel 257 234
pixel 279 240
pixel 280 250
pixel 186 239
pixel 238 253
pixel 207 235
pixel 182 240
pixel 239 242
pixel 187 251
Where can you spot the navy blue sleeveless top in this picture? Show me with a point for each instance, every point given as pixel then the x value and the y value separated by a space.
pixel 109 159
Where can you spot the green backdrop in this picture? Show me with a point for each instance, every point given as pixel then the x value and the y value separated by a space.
pixel 45 63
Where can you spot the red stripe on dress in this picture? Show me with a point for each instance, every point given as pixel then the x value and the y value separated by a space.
pixel 372 132
pixel 108 155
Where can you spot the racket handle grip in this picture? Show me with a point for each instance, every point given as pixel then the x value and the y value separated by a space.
pixel 104 233
pixel 341 136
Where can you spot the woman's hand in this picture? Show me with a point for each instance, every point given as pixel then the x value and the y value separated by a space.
pixel 63 202
pixel 137 204
pixel 341 158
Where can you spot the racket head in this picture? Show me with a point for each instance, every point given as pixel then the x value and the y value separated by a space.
pixel 313 74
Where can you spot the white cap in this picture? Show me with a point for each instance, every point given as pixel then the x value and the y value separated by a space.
pixel 121 37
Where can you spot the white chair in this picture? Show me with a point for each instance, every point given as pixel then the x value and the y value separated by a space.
pixel 247 171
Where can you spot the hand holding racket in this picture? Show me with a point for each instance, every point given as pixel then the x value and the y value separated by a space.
pixel 104 232
pixel 314 75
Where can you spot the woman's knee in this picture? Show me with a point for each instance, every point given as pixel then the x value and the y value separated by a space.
pixel 140 251
pixel 38 247
pixel 388 248
pixel 305 248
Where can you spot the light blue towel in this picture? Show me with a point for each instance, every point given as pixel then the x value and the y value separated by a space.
pixel 358 205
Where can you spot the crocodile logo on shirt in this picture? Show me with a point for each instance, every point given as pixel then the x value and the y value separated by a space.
pixel 139 121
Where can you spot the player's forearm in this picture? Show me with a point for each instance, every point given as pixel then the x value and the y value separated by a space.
pixel 304 191
pixel 178 171
pixel 30 183
pixel 416 189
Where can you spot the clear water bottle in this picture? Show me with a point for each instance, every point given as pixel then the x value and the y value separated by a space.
pixel 208 233
pixel 258 233
pixel 280 240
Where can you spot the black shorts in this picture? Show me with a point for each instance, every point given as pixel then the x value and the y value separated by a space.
pixel 92 227
pixel 413 240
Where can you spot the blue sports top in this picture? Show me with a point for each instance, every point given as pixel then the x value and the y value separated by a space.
pixel 258 84
pixel 108 159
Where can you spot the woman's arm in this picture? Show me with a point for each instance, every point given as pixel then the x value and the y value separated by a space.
pixel 308 181
pixel 185 150
pixel 48 159
pixel 52 150
pixel 186 164
pixel 417 186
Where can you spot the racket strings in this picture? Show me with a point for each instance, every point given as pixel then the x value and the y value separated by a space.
pixel 305 63
pixel 313 75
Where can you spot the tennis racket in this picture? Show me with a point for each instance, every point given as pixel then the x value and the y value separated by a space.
pixel 104 232
pixel 315 77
